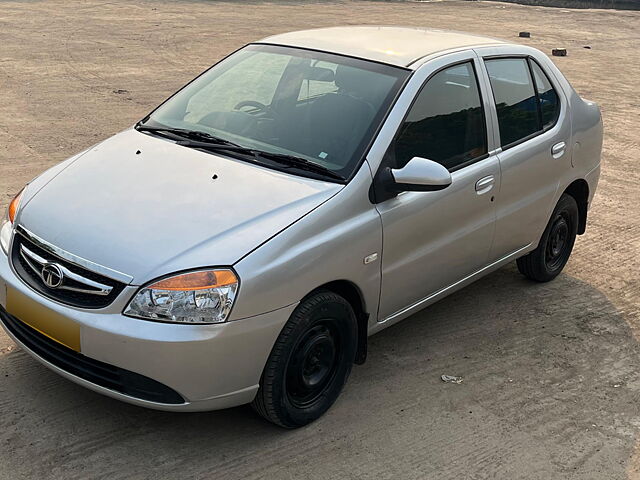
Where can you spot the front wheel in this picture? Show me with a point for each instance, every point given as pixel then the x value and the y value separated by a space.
pixel 310 361
pixel 552 254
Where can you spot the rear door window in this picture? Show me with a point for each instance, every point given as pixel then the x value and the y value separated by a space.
pixel 515 97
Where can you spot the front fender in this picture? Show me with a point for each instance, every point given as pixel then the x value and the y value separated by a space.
pixel 328 244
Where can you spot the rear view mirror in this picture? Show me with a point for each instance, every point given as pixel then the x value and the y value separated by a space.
pixel 421 175
pixel 319 74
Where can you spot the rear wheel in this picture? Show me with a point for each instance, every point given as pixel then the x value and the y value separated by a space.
pixel 310 361
pixel 549 258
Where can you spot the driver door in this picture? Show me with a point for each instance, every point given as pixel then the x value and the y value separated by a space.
pixel 433 240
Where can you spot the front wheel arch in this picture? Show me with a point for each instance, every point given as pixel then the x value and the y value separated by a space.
pixel 310 361
pixel 352 294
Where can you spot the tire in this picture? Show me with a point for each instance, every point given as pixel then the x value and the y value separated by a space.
pixel 309 363
pixel 547 261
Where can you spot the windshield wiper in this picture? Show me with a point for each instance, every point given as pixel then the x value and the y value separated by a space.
pixel 197 139
pixel 182 133
pixel 260 156
pixel 300 163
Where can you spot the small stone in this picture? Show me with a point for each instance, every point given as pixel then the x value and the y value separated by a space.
pixel 451 379
pixel 559 52
pixel 524 34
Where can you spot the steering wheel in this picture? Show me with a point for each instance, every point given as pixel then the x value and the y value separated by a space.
pixel 252 103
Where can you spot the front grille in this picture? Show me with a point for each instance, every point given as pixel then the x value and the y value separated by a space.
pixel 99 373
pixel 69 297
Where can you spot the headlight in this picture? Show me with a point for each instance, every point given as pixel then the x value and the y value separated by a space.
pixel 7 222
pixel 205 296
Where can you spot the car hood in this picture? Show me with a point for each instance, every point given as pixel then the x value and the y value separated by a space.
pixel 147 207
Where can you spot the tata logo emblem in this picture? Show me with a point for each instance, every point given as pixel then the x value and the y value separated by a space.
pixel 52 275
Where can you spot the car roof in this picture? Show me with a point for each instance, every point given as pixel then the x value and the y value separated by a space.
pixel 399 46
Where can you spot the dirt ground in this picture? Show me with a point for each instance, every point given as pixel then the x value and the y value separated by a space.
pixel 551 385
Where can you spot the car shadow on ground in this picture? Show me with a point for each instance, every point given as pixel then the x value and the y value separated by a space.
pixel 544 366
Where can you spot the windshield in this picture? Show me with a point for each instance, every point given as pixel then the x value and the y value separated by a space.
pixel 316 106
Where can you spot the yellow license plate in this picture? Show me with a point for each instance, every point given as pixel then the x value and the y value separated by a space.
pixel 49 323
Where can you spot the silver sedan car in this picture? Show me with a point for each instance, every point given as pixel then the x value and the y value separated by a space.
pixel 241 242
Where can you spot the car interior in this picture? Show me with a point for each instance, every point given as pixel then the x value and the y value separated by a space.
pixel 327 126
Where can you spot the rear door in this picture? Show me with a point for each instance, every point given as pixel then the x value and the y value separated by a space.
pixel 534 135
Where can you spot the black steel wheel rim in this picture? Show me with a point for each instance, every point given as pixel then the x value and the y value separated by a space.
pixel 558 242
pixel 313 364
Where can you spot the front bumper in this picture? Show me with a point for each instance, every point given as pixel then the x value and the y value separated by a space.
pixel 208 367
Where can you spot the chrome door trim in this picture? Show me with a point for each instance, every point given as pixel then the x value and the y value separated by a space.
pixel 443 291
pixel 81 262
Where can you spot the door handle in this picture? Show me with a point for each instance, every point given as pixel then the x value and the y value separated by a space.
pixel 485 184
pixel 558 149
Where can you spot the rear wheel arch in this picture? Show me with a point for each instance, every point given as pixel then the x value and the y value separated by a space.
pixel 556 243
pixel 352 294
pixel 579 190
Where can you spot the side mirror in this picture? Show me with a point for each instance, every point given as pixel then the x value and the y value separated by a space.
pixel 420 175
